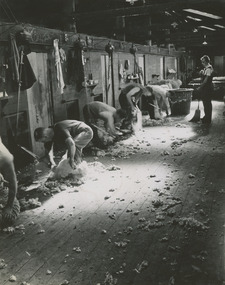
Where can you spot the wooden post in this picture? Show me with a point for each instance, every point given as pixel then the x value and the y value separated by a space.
pixel 149 40
pixel 124 28
pixel 112 79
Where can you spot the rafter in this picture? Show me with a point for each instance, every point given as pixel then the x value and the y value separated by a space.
pixel 148 9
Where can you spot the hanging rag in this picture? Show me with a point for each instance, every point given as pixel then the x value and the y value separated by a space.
pixel 121 71
pixel 127 64
pixel 62 55
pixel 28 77
pixel 25 77
pixel 138 70
pixel 59 73
pixel 141 76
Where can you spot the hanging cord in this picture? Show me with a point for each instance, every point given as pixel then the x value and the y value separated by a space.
pixel 19 88
pixel 11 27
pixel 135 64
pixel 84 63
pixel 136 68
pixel 15 19
pixel 109 67
pixel 138 71
pixel 3 8
pixel 90 65
pixel 119 71
pixel 108 76
pixel 6 7
pixel 11 18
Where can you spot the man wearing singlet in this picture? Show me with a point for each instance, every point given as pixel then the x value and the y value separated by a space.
pixel 206 89
pixel 129 98
pixel 75 135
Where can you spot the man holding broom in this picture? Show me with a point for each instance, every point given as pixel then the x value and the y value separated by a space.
pixel 205 90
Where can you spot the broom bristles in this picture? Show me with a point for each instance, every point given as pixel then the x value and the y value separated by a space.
pixel 197 116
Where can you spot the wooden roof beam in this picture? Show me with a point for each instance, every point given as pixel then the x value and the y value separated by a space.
pixel 147 9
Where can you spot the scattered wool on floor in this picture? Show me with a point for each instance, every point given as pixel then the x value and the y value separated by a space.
pixel 64 170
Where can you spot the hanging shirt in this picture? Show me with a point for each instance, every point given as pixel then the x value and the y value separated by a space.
pixel 59 73
pixel 20 67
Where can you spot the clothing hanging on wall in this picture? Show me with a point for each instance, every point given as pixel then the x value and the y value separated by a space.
pixel 138 71
pixel 22 73
pixel 59 73
pixel 121 71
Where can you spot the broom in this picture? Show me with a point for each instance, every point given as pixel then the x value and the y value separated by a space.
pixel 197 115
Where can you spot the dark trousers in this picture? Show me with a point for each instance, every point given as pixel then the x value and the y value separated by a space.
pixel 125 105
pixel 207 104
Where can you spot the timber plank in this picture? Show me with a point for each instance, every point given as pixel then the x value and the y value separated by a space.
pixel 203 156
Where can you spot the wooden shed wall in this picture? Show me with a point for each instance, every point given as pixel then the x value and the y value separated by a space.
pixel 43 104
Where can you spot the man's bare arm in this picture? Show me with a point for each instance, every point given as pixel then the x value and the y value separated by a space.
pixel 70 144
pixel 9 175
pixel 131 93
pixel 51 156
pixel 107 117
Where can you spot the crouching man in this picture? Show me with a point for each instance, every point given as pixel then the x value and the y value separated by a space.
pixel 159 101
pixel 129 98
pixel 75 135
pixel 112 118
pixel 8 198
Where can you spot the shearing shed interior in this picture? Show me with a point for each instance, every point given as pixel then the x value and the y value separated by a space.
pixel 112 142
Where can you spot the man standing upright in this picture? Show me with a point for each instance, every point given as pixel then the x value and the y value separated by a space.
pixel 206 89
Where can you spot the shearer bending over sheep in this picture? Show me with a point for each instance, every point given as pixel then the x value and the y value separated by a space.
pixel 75 135
pixel 159 100
pixel 8 196
pixel 111 117
pixel 129 98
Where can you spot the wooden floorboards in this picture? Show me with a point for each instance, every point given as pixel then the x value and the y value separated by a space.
pixel 100 233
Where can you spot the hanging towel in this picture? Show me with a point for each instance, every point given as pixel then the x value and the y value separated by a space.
pixel 28 77
pixel 62 55
pixel 121 71
pixel 59 73
pixel 141 78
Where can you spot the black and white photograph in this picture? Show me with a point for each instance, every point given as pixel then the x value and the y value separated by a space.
pixel 112 142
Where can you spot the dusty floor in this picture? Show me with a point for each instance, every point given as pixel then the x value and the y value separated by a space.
pixel 150 210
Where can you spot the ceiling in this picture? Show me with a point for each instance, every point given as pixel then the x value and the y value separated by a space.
pixel 155 22
pixel 159 22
